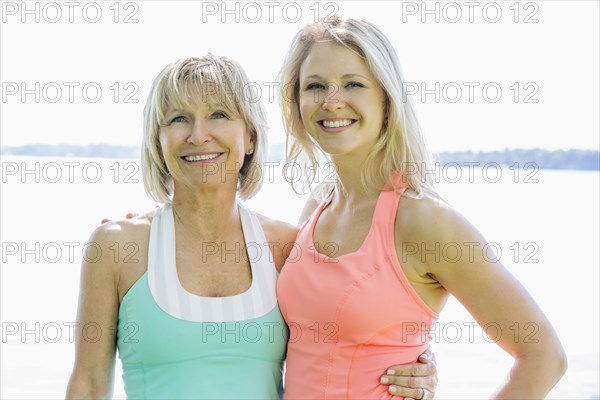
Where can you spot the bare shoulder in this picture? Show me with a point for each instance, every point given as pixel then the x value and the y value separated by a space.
pixel 431 223
pixel 425 216
pixel 119 252
pixel 134 229
pixel 280 236
pixel 118 242
pixel 277 230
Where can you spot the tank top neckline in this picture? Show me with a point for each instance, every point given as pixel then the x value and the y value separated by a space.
pixel 383 194
pixel 253 272
pixel 170 295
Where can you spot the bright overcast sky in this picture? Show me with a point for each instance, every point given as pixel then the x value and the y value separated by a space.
pixel 484 75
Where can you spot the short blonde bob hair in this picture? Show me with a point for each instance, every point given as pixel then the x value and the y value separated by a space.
pixel 185 82
pixel 400 146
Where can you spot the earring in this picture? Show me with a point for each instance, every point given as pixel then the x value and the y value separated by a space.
pixel 250 152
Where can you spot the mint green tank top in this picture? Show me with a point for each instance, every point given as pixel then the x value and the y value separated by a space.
pixel 177 345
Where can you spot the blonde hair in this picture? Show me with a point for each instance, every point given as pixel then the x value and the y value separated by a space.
pixel 188 80
pixel 400 144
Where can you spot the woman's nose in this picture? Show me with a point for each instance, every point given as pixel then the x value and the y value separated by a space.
pixel 334 100
pixel 201 133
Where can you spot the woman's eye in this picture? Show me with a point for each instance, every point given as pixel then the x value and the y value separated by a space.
pixel 218 115
pixel 179 118
pixel 314 86
pixel 354 85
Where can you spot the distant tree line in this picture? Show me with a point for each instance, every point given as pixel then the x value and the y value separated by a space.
pixel 543 159
pixel 70 150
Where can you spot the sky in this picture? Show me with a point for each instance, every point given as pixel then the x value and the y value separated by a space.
pixel 484 75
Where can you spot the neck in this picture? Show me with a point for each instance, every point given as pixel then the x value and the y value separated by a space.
pixel 350 187
pixel 207 214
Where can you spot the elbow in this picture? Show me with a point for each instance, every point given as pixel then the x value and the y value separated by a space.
pixel 83 392
pixel 554 360
pixel 546 363
pixel 557 359
pixel 78 388
pixel 557 365
pixel 554 356
pixel 562 364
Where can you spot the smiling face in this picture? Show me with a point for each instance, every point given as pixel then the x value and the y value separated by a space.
pixel 203 145
pixel 341 103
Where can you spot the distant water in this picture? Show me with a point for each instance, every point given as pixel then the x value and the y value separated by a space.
pixel 547 232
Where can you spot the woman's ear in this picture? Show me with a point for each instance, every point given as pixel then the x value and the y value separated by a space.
pixel 250 142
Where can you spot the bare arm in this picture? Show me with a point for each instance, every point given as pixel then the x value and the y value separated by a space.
pixel 493 296
pixel 95 344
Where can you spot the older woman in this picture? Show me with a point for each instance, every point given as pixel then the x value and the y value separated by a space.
pixel 196 306
pixel 194 312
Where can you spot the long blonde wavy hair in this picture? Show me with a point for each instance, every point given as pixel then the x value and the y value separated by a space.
pixel 400 146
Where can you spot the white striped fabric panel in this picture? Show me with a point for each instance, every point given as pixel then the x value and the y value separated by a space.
pixel 172 298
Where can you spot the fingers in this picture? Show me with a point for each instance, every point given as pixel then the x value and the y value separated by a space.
pixel 409 386
pixel 418 369
pixel 413 381
pixel 427 357
pixel 127 216
pixel 409 393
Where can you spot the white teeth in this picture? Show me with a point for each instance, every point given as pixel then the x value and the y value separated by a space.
pixel 201 157
pixel 336 123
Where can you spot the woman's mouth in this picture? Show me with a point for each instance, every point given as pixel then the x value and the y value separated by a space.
pixel 201 157
pixel 336 123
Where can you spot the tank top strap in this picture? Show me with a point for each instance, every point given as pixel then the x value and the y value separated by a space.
pixel 386 208
pixel 310 222
pixel 328 198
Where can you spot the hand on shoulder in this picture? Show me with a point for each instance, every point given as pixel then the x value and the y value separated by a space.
pixel 130 215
